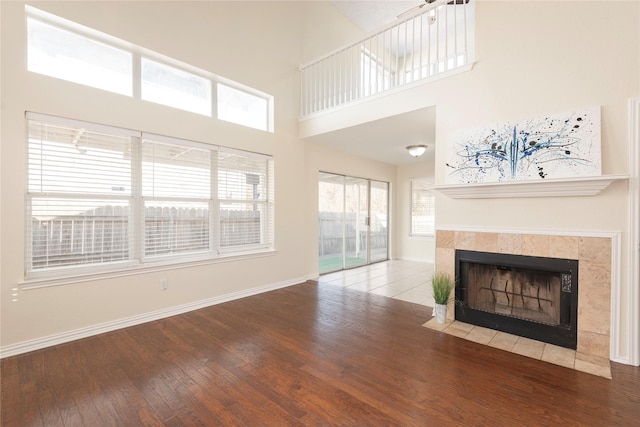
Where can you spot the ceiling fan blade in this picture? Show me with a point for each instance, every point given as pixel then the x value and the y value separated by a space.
pixel 427 2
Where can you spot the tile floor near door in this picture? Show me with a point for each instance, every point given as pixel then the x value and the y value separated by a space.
pixel 400 279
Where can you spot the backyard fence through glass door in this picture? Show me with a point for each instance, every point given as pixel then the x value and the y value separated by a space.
pixel 352 221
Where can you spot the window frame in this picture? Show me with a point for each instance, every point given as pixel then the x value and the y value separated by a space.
pixel 137 259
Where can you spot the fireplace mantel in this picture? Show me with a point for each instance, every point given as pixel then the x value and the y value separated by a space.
pixel 583 186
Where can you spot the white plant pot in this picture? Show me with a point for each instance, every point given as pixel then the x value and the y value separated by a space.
pixel 440 311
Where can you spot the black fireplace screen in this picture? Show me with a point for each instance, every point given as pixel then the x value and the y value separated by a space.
pixel 533 297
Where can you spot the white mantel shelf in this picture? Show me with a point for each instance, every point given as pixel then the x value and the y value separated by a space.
pixel 583 186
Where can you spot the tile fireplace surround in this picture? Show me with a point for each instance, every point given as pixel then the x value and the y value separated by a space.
pixel 594 255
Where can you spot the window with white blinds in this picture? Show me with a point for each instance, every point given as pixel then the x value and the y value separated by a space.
pixel 422 208
pixel 100 196
pixel 78 196
pixel 245 195
pixel 176 194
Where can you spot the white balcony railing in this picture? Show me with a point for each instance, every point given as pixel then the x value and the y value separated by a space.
pixel 434 40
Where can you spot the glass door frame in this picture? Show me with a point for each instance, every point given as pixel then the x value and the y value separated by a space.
pixel 344 264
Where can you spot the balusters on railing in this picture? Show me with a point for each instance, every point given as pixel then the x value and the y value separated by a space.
pixel 438 38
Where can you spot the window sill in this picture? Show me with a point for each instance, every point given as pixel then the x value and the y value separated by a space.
pixel 40 282
pixel 421 236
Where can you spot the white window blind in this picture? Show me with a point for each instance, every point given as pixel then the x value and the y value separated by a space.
pixel 176 189
pixel 115 198
pixel 78 196
pixel 246 199
pixel 422 208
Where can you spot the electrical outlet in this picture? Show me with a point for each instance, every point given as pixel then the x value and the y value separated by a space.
pixel 164 284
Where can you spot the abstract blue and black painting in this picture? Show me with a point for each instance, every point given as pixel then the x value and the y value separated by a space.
pixel 546 147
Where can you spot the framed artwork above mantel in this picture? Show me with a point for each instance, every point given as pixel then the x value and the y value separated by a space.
pixel 548 147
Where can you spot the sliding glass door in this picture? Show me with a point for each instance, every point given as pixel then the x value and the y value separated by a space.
pixel 378 222
pixel 352 220
pixel 355 217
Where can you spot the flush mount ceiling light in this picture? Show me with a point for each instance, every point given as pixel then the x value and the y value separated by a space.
pixel 417 150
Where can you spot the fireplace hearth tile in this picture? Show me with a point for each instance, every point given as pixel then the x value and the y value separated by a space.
pixel 459 329
pixel 594 255
pixel 593 365
pixel 547 353
pixel 481 335
pixel 528 347
pixel 503 341
pixel 433 324
pixel 559 356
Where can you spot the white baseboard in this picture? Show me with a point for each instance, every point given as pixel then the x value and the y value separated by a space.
pixel 408 258
pixel 63 337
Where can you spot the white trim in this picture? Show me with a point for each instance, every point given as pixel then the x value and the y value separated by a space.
pixel 633 302
pixel 185 142
pixel 575 233
pixel 414 259
pixel 245 153
pixel 579 186
pixel 95 127
pixel 35 281
pixel 55 339
pixel 429 236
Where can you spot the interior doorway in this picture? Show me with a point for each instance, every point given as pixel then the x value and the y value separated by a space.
pixel 352 222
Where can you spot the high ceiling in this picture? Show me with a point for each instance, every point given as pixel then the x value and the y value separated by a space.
pixel 386 139
pixel 372 15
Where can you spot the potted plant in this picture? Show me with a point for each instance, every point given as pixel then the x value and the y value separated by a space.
pixel 442 285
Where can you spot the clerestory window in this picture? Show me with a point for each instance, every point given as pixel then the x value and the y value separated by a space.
pixel 69 51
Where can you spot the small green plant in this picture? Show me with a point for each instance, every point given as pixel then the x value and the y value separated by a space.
pixel 442 285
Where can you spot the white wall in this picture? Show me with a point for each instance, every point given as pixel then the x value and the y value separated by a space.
pixel 415 248
pixel 259 44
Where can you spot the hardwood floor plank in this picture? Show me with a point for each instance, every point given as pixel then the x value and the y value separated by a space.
pixel 303 355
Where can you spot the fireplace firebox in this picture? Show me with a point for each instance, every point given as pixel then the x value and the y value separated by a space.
pixel 533 297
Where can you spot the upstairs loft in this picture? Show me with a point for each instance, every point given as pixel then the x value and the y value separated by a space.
pixel 428 43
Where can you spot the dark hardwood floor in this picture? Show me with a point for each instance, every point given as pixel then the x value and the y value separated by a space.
pixel 303 355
